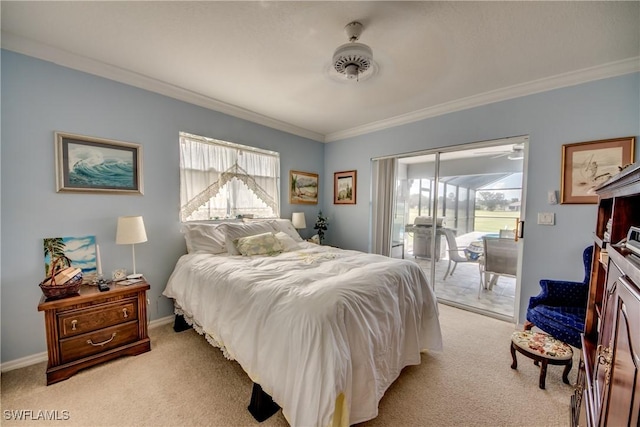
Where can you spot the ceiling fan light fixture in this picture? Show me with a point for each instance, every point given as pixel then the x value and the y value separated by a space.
pixel 353 59
pixel 351 71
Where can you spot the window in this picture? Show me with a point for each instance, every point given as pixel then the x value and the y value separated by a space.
pixel 498 203
pixel 220 179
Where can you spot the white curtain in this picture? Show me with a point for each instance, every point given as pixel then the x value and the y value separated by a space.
pixel 383 183
pixel 219 179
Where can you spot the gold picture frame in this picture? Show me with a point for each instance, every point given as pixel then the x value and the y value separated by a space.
pixel 586 165
pixel 344 187
pixel 303 188
pixel 86 164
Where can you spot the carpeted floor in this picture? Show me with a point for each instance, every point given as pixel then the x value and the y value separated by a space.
pixel 184 381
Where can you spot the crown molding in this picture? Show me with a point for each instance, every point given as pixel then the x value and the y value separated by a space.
pixel 612 69
pixel 82 63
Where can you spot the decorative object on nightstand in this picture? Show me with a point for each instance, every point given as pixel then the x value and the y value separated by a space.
pixel 322 224
pixel 63 279
pixel 119 274
pixel 99 279
pixel 129 232
pixel 92 327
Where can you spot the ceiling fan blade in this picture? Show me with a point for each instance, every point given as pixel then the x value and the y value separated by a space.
pixel 506 153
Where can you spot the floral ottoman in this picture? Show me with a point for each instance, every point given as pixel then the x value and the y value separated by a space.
pixel 542 348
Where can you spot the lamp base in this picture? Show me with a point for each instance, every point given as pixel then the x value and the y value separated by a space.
pixel 134 276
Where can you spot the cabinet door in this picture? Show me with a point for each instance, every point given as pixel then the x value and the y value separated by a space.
pixel 622 380
pixel 605 333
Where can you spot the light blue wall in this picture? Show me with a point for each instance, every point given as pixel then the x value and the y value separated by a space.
pixel 602 109
pixel 39 98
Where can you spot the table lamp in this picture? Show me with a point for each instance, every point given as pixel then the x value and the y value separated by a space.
pixel 129 232
pixel 298 221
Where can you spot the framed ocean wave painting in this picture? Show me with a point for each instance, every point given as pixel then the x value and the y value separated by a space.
pixel 95 165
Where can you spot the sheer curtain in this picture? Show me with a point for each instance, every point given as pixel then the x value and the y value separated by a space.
pixel 383 183
pixel 219 179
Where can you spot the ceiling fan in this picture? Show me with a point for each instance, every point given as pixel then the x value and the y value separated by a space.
pixel 354 60
pixel 515 152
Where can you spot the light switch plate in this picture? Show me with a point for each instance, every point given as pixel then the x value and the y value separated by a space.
pixel 546 218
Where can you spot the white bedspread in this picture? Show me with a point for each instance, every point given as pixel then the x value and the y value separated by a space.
pixel 322 330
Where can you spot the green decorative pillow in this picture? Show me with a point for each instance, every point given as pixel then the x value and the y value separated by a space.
pixel 259 244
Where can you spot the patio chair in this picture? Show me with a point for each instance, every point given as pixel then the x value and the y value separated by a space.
pixel 456 254
pixel 500 258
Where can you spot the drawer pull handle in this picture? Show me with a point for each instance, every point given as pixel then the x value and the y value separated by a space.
pixel 100 344
pixel 605 357
pixel 73 325
pixel 126 314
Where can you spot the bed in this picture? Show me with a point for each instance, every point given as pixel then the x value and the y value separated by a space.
pixel 323 331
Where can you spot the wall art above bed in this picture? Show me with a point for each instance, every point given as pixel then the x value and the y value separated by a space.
pixel 303 188
pixel 94 165
pixel 344 188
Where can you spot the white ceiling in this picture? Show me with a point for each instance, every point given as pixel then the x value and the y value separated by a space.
pixel 269 61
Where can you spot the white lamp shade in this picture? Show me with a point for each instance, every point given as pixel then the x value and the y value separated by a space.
pixel 298 221
pixel 130 230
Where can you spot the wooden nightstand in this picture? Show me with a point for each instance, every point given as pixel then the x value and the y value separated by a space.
pixel 94 327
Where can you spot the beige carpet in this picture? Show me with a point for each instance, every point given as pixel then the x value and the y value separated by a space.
pixel 184 381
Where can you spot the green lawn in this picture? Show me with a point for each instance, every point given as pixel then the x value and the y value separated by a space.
pixel 494 221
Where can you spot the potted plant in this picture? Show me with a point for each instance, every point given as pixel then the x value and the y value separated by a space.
pixel 321 225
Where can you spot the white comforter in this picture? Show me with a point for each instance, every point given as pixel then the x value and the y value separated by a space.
pixel 324 331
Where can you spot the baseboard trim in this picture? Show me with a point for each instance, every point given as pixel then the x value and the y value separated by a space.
pixel 161 321
pixel 23 362
pixel 33 359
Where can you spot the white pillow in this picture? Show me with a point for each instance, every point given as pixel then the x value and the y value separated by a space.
pixel 259 244
pixel 285 225
pixel 204 237
pixel 287 242
pixel 237 230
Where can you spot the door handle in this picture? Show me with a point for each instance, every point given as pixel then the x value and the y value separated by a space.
pixel 519 229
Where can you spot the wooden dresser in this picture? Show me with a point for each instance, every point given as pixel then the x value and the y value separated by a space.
pixel 93 327
pixel 608 388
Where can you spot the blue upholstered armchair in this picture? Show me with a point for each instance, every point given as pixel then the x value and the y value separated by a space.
pixel 560 308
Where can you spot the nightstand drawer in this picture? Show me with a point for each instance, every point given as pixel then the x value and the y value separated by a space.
pixel 81 321
pixel 96 342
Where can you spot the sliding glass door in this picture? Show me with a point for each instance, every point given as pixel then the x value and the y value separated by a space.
pixel 447 204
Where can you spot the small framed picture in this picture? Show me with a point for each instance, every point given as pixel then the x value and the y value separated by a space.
pixel 344 188
pixel 78 252
pixel 303 188
pixel 586 165
pixel 94 165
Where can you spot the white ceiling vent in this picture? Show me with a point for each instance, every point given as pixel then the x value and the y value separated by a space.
pixel 353 60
